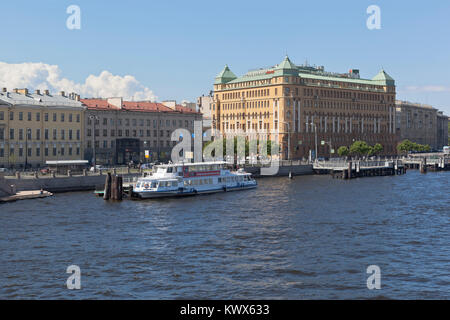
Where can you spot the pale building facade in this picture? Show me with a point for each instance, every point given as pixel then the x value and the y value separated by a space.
pixel 421 124
pixel 37 127
pixel 122 131
pixel 296 102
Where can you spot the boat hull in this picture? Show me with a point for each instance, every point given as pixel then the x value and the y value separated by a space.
pixel 176 193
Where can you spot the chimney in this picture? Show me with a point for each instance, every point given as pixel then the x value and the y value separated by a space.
pixel 77 97
pixel 23 91
pixel 170 104
pixel 4 89
pixel 117 102
pixel 38 92
pixel 46 92
pixel 62 93
pixel 15 90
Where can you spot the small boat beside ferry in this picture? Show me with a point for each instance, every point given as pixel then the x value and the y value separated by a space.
pixel 185 179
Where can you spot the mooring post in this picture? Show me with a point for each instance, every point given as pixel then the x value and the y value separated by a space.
pixel 119 188
pixel 107 192
pixel 350 164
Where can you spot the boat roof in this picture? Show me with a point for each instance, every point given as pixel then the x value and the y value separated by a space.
pixel 188 164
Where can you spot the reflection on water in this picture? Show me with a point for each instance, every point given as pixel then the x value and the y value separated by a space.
pixel 311 237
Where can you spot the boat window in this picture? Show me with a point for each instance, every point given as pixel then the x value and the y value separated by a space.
pixel 138 185
pixel 161 170
pixel 169 169
pixel 174 183
pixel 154 184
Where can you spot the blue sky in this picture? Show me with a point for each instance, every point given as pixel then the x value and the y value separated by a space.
pixel 176 48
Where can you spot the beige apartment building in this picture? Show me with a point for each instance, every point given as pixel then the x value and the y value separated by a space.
pixel 38 126
pixel 302 104
pixel 121 131
pixel 205 107
pixel 422 124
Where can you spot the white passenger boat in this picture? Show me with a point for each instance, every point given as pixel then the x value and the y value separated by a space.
pixel 174 180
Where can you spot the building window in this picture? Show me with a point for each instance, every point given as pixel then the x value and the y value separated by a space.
pixel 2 134
pixel 78 135
pixel 54 134
pixel 105 144
pixel 20 116
pixel 62 117
pixel 70 117
pixel 89 132
pixel 29 116
pixel 70 151
pixel 70 134
pixel 11 116
pixel 38 117
pixel 46 117
pixel 62 151
pixel 2 115
pixel 78 151
pixel 38 134
pixel 113 133
pixel 54 151
pixel 20 134
pixel 105 132
pixel 54 117
pixel 46 152
pixel 78 118
pixel 63 135
pixel 2 152
pixel 105 121
pixel 38 152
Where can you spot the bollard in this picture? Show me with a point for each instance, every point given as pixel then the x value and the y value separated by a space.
pixel 53 174
pixel 17 174
pixel 69 173
pixel 114 171
pixel 84 172
pixel 36 174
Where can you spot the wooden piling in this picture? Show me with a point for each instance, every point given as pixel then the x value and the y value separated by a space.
pixel 119 188
pixel 107 192
pixel 349 174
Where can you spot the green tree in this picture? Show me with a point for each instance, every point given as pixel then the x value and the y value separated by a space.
pixel 377 149
pixel 343 151
pixel 360 148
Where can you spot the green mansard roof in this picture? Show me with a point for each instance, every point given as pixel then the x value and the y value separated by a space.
pixel 286 67
pixel 225 76
pixel 383 78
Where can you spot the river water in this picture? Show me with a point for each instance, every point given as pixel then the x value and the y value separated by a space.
pixel 306 238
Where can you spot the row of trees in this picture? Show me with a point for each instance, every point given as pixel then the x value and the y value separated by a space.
pixel 360 148
pixel 255 144
pixel 408 146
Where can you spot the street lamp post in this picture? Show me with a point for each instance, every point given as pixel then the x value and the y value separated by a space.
pixel 315 137
pixel 94 118
pixel 289 140
pixel 26 147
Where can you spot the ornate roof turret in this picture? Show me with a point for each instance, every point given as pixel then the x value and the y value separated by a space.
pixel 225 76
pixel 383 78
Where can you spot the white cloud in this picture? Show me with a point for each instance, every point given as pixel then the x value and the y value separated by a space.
pixel 44 76
pixel 430 88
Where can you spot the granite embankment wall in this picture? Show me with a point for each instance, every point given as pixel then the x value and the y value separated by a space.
pixel 59 184
pixel 5 189
pixel 284 170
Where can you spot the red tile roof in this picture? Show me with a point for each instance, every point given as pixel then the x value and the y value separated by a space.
pixel 144 106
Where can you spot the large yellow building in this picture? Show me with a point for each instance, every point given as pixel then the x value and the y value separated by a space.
pixel 304 106
pixel 36 127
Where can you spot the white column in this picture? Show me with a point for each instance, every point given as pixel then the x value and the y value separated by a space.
pixel 299 116
pixel 294 115
pixel 326 123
